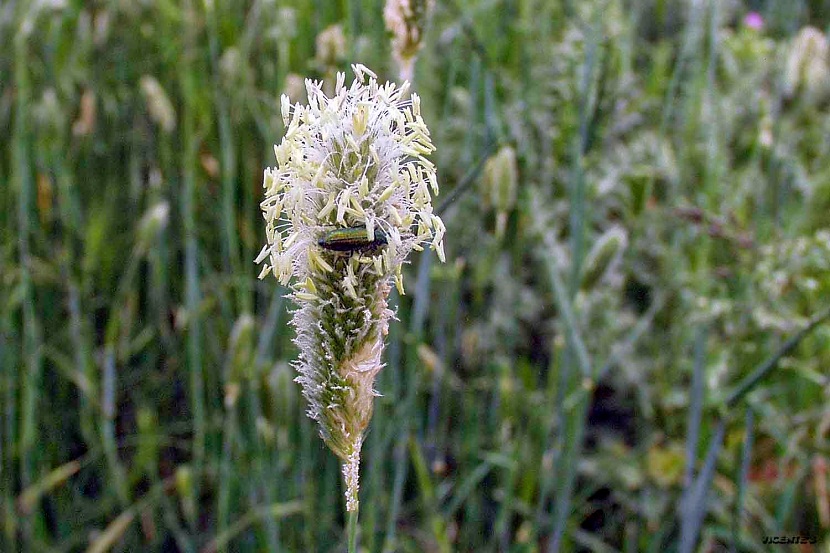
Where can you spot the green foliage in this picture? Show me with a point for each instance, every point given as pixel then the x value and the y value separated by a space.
pixel 582 374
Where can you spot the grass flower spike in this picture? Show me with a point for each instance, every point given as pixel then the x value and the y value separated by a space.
pixel 349 199
pixel 406 20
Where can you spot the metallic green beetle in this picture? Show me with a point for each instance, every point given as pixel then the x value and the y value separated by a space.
pixel 351 239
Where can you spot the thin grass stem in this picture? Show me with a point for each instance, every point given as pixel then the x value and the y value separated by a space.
pixel 352 531
pixel 191 256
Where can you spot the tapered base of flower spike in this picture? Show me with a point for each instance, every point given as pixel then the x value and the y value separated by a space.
pixel 352 531
pixel 351 479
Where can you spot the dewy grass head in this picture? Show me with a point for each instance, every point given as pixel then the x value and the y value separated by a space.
pixel 347 202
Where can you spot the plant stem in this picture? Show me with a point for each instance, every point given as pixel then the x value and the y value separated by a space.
pixel 351 530
pixel 192 289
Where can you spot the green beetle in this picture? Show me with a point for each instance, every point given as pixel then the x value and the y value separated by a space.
pixel 351 239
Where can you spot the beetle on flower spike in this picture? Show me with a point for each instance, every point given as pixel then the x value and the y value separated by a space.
pixel 347 203
pixel 352 239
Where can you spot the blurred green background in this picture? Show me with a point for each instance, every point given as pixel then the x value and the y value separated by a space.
pixel 623 352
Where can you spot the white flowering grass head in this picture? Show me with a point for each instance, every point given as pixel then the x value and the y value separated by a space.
pixel 352 164
pixel 357 159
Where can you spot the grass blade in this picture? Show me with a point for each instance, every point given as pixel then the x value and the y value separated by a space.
pixel 753 379
pixel 467 181
pixel 566 310
pixel 191 253
pixel 695 406
pixel 693 505
pixel 743 478
pixel 276 511
pixel 31 367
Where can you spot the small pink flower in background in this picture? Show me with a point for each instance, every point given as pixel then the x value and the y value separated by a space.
pixel 753 20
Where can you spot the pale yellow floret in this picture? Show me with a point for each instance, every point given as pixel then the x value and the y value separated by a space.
pixel 360 119
pixel 439 249
pixel 350 141
pixel 316 260
pixel 363 187
pixel 361 71
pixel 386 194
pixel 305 296
pixel 399 281
pixel 290 240
pixel 396 217
pixel 263 253
pixel 285 108
pixel 370 229
pixel 349 282
pixel 329 207
pixel 282 153
pixel 433 182
pixel 317 181
pixel 294 125
pixel 358 209
pixel 341 206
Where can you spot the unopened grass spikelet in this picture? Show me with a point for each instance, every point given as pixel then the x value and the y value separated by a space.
pixel 406 20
